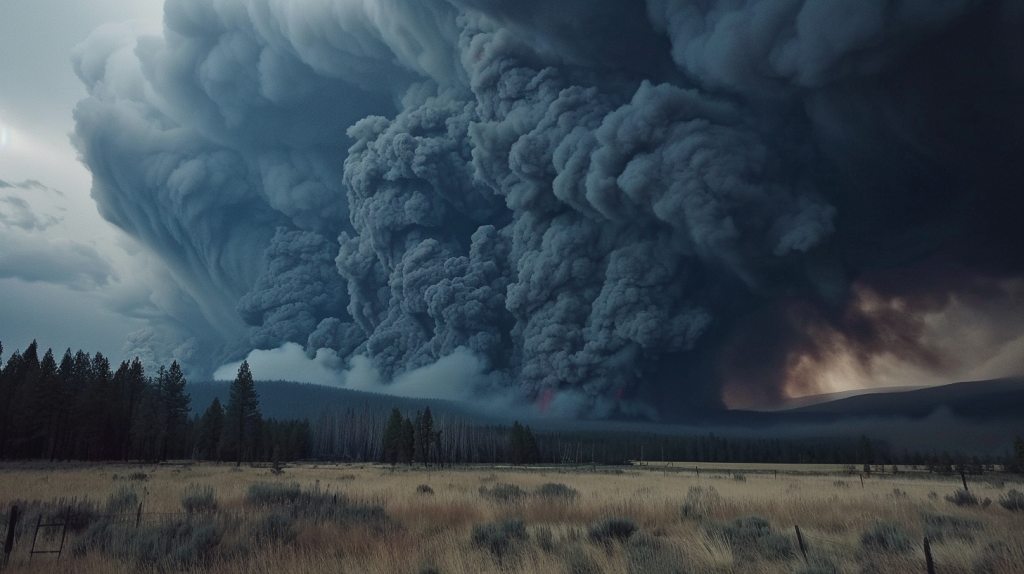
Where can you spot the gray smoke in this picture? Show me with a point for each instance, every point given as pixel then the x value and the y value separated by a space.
pixel 583 196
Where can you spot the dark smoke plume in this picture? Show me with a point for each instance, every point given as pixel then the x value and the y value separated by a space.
pixel 617 200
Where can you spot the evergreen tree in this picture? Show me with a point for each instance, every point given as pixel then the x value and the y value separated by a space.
pixel 129 385
pixel 21 373
pixel 211 427
pixel 531 452
pixel 42 407
pixel 517 440
pixel 102 405
pixel 424 435
pixel 406 455
pixel 242 415
pixel 175 407
pixel 148 427
pixel 393 437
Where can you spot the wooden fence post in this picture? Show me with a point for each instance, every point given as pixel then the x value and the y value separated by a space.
pixel 9 542
pixel 963 477
pixel 800 540
pixel 138 515
pixel 32 551
pixel 928 557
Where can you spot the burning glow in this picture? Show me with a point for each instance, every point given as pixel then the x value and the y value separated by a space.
pixel 883 342
pixel 962 341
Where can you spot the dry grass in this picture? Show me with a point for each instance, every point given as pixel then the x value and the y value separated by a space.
pixel 425 532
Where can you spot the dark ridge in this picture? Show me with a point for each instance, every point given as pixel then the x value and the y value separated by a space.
pixel 288 400
pixel 991 399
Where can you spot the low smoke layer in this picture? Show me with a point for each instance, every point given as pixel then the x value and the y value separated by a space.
pixel 595 200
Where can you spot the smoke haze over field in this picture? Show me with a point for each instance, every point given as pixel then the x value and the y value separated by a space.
pixel 672 203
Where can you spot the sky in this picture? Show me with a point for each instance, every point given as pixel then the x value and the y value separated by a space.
pixel 59 266
pixel 625 208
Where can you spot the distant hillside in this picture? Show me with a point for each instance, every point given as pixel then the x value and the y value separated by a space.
pixel 982 400
pixel 286 400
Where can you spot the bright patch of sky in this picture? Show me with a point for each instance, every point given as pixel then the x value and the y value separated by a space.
pixel 67 277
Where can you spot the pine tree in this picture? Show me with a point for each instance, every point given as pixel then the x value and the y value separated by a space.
pixel 42 406
pixel 408 451
pixel 130 383
pixel 175 406
pixel 393 437
pixel 243 413
pixel 531 453
pixel 428 435
pixel 517 440
pixel 211 427
pixel 101 402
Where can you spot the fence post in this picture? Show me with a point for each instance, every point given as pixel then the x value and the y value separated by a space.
pixel 138 515
pixel 963 477
pixel 9 542
pixel 800 540
pixel 862 481
pixel 928 557
pixel 32 551
pixel 64 532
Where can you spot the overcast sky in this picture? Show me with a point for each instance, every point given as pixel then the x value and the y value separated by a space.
pixel 629 202
pixel 60 263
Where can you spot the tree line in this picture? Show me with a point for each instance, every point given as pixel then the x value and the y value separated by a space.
pixel 81 408
pixel 371 435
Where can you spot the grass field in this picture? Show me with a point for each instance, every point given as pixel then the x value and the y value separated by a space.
pixel 367 518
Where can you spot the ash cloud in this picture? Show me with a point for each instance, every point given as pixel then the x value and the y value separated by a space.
pixel 590 200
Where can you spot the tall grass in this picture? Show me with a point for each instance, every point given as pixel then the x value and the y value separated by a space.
pixel 351 518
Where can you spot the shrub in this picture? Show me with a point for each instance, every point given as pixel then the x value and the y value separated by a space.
pixel 499 537
pixel 140 476
pixel 273 527
pixel 939 527
pixel 612 529
pixel 700 501
pixel 271 493
pixel 199 498
pixel 315 505
pixel 752 536
pixel 739 477
pixel 646 555
pixel 122 501
pixel 80 513
pixel 339 509
pixel 556 491
pixel 424 489
pixel 962 497
pixel 178 544
pixel 544 538
pixel 578 561
pixel 995 557
pixel 502 492
pixel 1012 500
pixel 886 537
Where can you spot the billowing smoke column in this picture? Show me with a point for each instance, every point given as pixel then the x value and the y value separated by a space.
pixel 587 196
